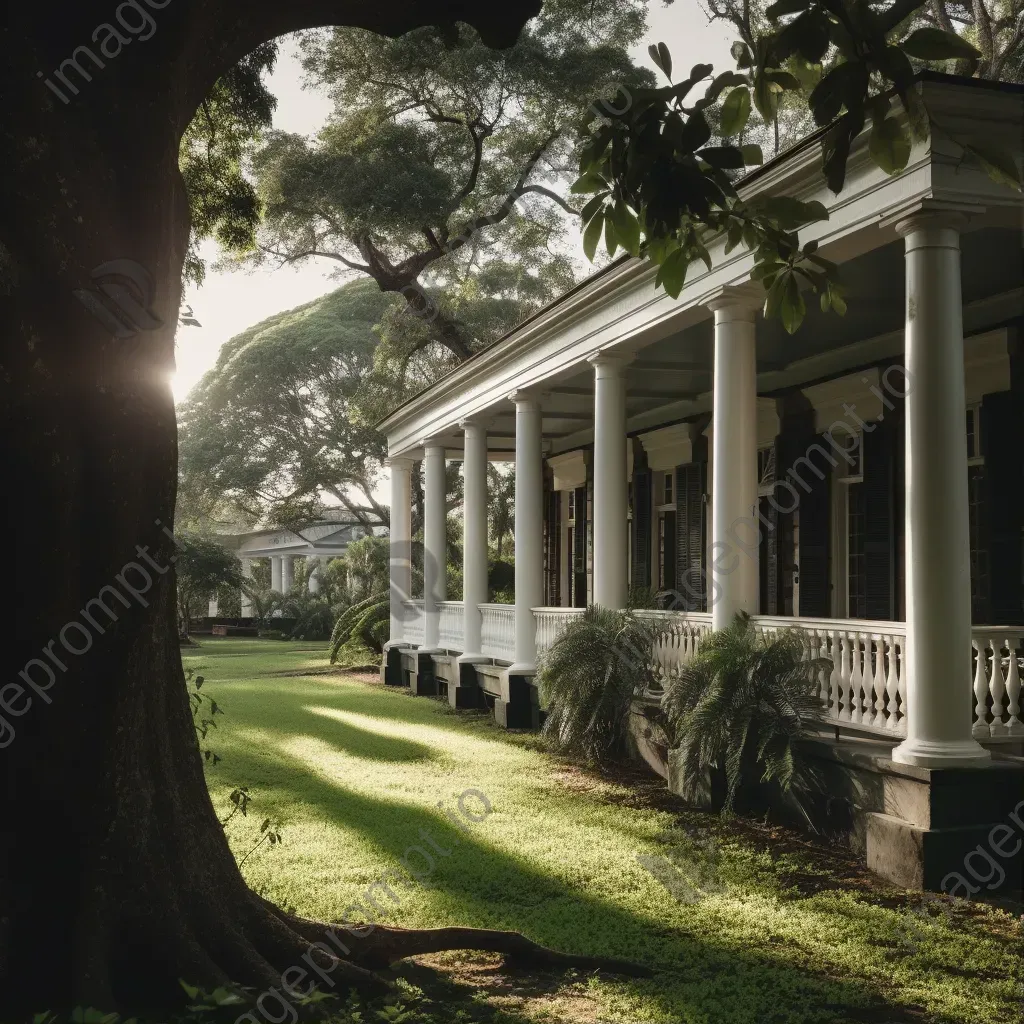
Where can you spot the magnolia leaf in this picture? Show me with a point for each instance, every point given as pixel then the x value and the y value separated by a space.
pixel 752 154
pixel 728 158
pixel 611 241
pixel 774 298
pixel 792 308
pixel 934 44
pixel 592 235
pixel 627 228
pixel 592 207
pixel 589 182
pixel 889 145
pixel 735 111
pixel 672 273
pixel 784 7
pixel 766 97
pixel 999 164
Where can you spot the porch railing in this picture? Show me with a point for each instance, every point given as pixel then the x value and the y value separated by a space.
pixel 998 654
pixel 551 622
pixel 451 638
pixel 498 631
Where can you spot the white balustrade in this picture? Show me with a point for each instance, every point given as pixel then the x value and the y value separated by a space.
pixel 864 688
pixel 452 626
pixel 677 642
pixel 412 624
pixel 499 631
pixel 998 651
pixel 551 622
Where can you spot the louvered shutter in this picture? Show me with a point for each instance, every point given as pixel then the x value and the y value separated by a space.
pixel 768 557
pixel 690 535
pixel 579 554
pixel 552 548
pixel 641 532
pixel 880 520
pixel 1002 430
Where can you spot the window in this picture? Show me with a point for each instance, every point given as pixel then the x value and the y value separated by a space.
pixel 668 489
pixel 974 455
pixel 857 574
pixel 572 504
pixel 851 467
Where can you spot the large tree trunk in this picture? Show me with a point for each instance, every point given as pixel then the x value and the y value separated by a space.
pixel 115 877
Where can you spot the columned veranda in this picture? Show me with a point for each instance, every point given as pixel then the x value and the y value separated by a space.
pixel 914 681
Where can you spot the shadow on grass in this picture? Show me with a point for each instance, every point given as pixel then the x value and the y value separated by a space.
pixel 701 978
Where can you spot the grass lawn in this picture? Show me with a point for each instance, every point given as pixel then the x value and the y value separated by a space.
pixel 742 922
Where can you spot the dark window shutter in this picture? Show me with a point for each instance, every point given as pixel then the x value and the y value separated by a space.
pixel 690 536
pixel 669 554
pixel 552 548
pixel 880 520
pixel 579 555
pixel 641 532
pixel 1002 429
pixel 809 481
pixel 768 557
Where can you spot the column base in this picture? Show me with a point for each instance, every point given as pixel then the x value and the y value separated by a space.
pixel 518 706
pixel 391 663
pixel 467 693
pixel 932 754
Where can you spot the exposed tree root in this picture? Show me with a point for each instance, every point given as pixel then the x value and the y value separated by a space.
pixel 386 945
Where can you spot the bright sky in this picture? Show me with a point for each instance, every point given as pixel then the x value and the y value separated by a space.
pixel 229 302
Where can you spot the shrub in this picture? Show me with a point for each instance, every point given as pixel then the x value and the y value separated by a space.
pixel 735 712
pixel 365 624
pixel 314 617
pixel 596 668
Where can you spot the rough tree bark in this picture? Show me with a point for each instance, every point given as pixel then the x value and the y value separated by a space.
pixel 115 878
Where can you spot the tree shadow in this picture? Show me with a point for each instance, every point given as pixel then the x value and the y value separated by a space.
pixel 470 883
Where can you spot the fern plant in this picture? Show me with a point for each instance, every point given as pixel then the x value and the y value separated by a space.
pixel 364 625
pixel 314 617
pixel 590 678
pixel 736 711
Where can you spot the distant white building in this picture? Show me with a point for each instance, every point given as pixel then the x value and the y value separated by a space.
pixel 318 542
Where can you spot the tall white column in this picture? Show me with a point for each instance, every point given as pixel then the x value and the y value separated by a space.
pixel 938 565
pixel 313 578
pixel 247 576
pixel 287 573
pixel 611 496
pixel 275 573
pixel 734 573
pixel 212 610
pixel 529 529
pixel 474 536
pixel 435 542
pixel 401 545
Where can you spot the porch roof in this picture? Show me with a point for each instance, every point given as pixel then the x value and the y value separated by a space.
pixel 669 379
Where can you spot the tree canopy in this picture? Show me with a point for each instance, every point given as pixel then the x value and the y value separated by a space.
pixel 202 567
pixel 275 426
pixel 440 175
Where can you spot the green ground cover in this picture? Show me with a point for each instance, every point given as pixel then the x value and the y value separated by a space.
pixel 742 922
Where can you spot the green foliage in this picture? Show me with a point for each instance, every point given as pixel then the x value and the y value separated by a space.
pixel 737 709
pixel 313 614
pixel 202 566
pixel 659 185
pixel 204 713
pixel 276 422
pixel 363 626
pixel 590 676
pixel 441 174
pixel 232 117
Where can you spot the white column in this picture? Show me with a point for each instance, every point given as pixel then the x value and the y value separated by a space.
pixel 529 529
pixel 611 496
pixel 275 573
pixel 938 567
pixel 212 610
pixel 313 578
pixel 401 546
pixel 435 542
pixel 246 600
pixel 474 536
pixel 734 576
pixel 287 573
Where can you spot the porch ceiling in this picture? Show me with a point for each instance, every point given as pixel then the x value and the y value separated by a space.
pixel 670 379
